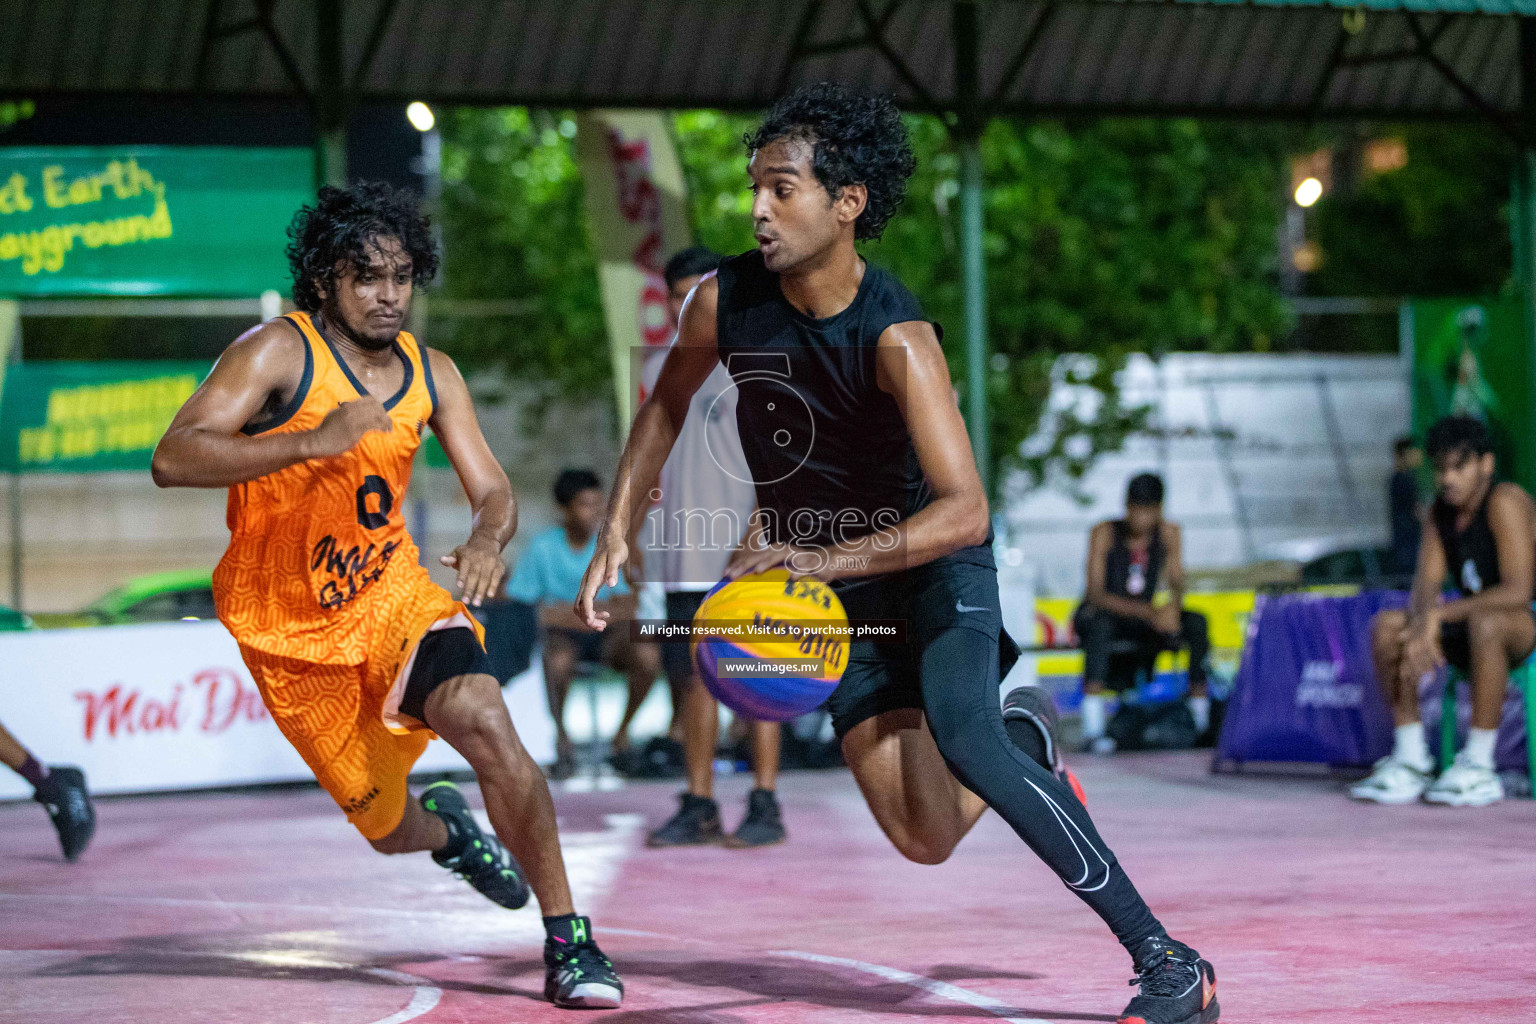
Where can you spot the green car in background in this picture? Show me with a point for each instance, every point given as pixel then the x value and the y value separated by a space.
pixel 158 597
pixel 12 621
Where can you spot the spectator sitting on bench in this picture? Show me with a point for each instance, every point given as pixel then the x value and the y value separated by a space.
pixel 549 575
pixel 1127 558
pixel 1483 534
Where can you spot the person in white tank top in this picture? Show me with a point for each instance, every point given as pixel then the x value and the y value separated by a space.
pixel 706 497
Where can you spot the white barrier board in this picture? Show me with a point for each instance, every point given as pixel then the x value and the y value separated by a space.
pixel 171 706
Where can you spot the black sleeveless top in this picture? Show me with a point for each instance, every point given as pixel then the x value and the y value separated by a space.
pixel 1127 576
pixel 1471 556
pixel 829 452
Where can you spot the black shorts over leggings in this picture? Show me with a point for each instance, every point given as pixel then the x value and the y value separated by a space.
pixel 945 594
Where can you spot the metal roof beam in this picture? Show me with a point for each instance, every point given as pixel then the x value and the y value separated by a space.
pixel 280 50
pixel 375 40
pixel 842 45
pixel 213 32
pixel 1363 59
pixel 205 50
pixel 873 37
pixel 797 49
pixel 1335 61
pixel 1021 59
pixel 876 29
pixel 1426 52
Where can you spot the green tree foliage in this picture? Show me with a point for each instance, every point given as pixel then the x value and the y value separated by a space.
pixel 1438 225
pixel 1103 238
pixel 514 228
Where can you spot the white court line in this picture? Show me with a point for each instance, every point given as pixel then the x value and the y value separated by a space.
pixel 232 905
pixel 423 999
pixel 942 989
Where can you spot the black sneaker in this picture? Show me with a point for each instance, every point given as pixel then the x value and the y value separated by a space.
pixel 1177 987
pixel 479 859
pixel 696 823
pixel 68 803
pixel 763 825
pixel 576 973
pixel 1034 706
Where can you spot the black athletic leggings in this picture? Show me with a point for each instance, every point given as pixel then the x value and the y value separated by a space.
pixel 959 681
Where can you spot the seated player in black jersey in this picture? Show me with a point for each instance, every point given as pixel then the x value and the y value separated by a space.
pixel 1482 534
pixel 864 476
pixel 1127 558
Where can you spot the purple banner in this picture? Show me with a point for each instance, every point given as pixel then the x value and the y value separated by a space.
pixel 1305 689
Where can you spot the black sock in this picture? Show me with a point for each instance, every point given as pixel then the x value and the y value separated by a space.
pixel 33 771
pixel 568 928
pixel 1028 739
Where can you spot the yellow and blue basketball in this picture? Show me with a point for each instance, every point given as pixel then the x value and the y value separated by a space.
pixel 769 617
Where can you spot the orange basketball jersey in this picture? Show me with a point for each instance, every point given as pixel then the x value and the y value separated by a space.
pixel 320 567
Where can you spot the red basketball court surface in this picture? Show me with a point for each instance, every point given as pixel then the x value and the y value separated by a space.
pixel 264 906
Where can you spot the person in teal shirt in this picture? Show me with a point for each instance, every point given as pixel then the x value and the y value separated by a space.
pixel 548 575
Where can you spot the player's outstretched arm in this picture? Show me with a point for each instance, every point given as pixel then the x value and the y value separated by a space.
pixel 478 560
pixel 204 446
pixel 689 362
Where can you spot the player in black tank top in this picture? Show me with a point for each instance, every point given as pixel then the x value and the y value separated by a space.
pixel 1484 545
pixel 1127 559
pixel 865 476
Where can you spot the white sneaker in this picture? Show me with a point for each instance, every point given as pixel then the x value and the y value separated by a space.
pixel 1465 784
pixel 1392 782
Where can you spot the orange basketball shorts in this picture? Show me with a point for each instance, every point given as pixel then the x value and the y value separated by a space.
pixel 344 721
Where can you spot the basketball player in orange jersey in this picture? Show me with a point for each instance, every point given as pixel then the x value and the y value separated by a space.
pixel 312 421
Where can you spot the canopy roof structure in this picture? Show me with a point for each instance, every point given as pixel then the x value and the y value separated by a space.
pixel 968 60
pixel 1288 58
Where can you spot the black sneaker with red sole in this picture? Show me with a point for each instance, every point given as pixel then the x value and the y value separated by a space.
pixel 1177 985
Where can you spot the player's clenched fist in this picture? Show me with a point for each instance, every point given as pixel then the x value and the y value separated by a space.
pixel 346 424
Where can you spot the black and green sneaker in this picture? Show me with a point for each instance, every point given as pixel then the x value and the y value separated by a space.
pixel 576 973
pixel 474 856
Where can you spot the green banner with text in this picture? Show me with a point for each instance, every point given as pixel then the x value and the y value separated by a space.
pixel 90 417
pixel 141 220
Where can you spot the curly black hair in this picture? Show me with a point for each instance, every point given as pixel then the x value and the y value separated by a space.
pixel 343 224
pixel 856 138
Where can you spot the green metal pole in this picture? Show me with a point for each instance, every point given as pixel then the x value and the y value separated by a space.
pixel 973 265
pixel 10 355
pixel 974 271
pixel 330 96
pixel 1522 226
pixel 331 157
pixel 16 541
